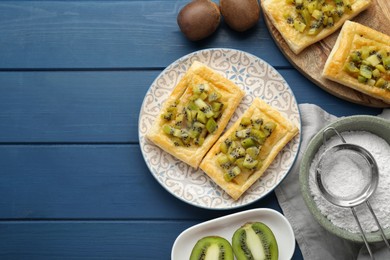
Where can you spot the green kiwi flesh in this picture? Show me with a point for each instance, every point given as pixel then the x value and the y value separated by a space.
pixel 255 241
pixel 310 17
pixel 188 123
pixel 212 248
pixel 370 66
pixel 241 151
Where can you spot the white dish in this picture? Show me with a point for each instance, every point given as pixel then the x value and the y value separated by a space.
pixel 227 225
pixel 258 79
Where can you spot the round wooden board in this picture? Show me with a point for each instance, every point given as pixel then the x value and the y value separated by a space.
pixel 310 62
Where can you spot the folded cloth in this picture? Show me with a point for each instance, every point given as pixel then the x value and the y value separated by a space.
pixel 314 241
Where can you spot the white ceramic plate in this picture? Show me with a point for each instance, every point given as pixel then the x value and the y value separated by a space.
pixel 227 225
pixel 258 79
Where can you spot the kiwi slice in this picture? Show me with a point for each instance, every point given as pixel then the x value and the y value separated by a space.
pixel 255 240
pixel 212 248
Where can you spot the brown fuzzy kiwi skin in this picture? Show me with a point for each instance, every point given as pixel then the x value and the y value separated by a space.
pixel 199 19
pixel 240 15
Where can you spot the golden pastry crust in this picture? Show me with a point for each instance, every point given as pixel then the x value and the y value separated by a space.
pixel 276 10
pixel 231 96
pixel 281 135
pixel 353 36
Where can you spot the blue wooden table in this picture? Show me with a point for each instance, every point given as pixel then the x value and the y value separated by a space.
pixel 73 74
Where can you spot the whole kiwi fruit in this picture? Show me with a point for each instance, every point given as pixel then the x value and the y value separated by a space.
pixel 240 15
pixel 199 19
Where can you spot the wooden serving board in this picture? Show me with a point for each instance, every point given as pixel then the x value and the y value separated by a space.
pixel 310 62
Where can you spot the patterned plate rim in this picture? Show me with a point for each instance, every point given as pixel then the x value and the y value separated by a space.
pixel 233 204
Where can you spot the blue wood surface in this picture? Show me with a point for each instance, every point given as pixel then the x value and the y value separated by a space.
pixel 73 74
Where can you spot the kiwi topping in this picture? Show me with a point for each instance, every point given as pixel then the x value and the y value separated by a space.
pixel 312 16
pixel 370 66
pixel 213 248
pixel 198 117
pixel 255 241
pixel 240 151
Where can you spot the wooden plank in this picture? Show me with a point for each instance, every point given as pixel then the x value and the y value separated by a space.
pixel 92 240
pixel 110 34
pixel 88 181
pixel 103 106
pixel 72 106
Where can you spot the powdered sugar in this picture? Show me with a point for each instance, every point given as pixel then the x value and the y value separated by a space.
pixel 344 173
pixel 348 174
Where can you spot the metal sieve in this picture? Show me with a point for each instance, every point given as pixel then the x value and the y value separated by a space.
pixel 354 188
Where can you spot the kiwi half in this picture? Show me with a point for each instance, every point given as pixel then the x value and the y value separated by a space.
pixel 255 241
pixel 212 248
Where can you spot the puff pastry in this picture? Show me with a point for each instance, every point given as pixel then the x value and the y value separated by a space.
pixel 360 59
pixel 297 21
pixel 184 129
pixel 268 148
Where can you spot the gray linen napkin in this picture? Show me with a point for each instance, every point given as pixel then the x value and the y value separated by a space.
pixel 314 241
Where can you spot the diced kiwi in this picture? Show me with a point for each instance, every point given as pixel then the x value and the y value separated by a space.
pixel 381 83
pixel 362 79
pixel 249 162
pixel 268 128
pixel 232 173
pixel 201 88
pixel 177 141
pixel 239 162
pixel 191 105
pixel 167 129
pixel 203 96
pixel 351 67
pixel 245 121
pixel 223 160
pixel 306 16
pixel 213 96
pixel 253 151
pixel 211 125
pixel 255 241
pixel 386 62
pixel 299 26
pixel 212 247
pixel 248 142
pixel 216 106
pixel 356 56
pixel 373 60
pixel 365 71
pixel 257 123
pixel 201 117
pixel 258 135
pixel 243 133
pixel 312 6
pixel 380 67
pixel 376 73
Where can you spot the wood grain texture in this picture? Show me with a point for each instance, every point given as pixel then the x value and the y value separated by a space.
pixel 130 240
pixel 310 62
pixel 89 182
pixel 110 34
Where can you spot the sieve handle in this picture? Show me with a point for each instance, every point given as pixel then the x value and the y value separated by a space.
pixel 379 225
pixel 334 130
pixel 363 234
